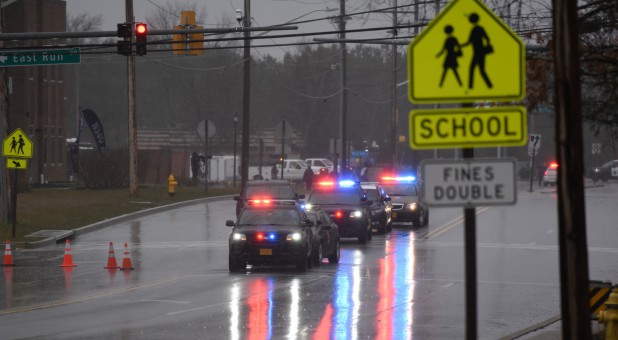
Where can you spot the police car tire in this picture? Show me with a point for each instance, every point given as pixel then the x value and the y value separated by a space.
pixel 234 266
pixel 362 238
pixel 426 221
pixel 334 257
pixel 417 220
pixel 369 231
pixel 301 265
pixel 317 257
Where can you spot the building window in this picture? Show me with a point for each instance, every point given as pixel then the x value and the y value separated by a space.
pixel 52 147
pixel 60 146
pixel 44 144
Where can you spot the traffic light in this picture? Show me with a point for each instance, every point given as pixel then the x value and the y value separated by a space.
pixel 124 46
pixel 141 38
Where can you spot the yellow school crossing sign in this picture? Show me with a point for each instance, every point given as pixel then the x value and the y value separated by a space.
pixel 466 54
pixel 17 145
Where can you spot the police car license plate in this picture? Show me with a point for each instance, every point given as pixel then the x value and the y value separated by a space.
pixel 393 215
pixel 266 251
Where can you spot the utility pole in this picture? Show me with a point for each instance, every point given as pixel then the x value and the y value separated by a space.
pixel 246 96
pixel 344 92
pixel 131 87
pixel 394 117
pixel 569 149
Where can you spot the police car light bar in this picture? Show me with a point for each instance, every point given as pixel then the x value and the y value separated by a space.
pixel 398 178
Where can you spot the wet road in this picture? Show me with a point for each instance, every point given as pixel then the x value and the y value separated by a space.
pixel 403 285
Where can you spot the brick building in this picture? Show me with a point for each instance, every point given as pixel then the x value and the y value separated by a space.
pixel 37 97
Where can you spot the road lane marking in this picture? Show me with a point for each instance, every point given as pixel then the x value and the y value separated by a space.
pixel 449 225
pixel 92 296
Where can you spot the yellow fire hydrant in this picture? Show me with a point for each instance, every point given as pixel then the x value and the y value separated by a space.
pixel 609 316
pixel 171 185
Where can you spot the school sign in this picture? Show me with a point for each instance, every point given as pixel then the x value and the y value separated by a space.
pixel 466 54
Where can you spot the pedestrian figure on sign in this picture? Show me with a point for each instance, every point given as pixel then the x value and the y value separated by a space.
pixel 453 51
pixel 13 145
pixel 481 47
pixel 21 143
pixel 308 177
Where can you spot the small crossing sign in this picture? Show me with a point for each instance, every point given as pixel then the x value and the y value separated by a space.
pixel 534 144
pixel 466 54
pixel 17 145
pixel 16 163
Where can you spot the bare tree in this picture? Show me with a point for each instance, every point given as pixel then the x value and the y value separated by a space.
pixel 84 22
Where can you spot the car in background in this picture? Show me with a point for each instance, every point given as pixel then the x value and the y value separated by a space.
pixel 270 233
pixel 325 238
pixel 281 190
pixel 346 204
pixel 550 176
pixel 603 172
pixel 320 163
pixel 406 203
pixel 381 207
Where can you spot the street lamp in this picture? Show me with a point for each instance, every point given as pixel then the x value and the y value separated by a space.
pixel 235 123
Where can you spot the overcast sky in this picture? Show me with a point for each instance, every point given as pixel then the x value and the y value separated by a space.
pixel 264 12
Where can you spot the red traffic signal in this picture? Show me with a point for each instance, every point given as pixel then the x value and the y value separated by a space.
pixel 141 38
pixel 141 29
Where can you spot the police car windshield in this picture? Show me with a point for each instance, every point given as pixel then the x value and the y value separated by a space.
pixel 400 189
pixel 335 197
pixel 269 216
pixel 271 191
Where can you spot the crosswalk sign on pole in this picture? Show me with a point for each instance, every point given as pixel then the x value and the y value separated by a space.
pixel 17 145
pixel 466 54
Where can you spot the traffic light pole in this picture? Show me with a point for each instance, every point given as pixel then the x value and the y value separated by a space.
pixel 131 88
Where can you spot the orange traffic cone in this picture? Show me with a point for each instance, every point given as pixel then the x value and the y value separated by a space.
pixel 8 257
pixel 111 258
pixel 126 260
pixel 68 258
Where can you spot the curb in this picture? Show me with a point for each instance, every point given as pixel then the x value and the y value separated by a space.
pixel 71 234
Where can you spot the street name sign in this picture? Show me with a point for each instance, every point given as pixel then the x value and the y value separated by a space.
pixel 469 183
pixel 16 163
pixel 17 145
pixel 40 57
pixel 468 127
pixel 466 54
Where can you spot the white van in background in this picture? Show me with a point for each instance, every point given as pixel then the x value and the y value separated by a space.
pixel 319 163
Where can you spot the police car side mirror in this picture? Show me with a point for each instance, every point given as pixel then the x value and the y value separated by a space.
pixel 230 223
pixel 237 198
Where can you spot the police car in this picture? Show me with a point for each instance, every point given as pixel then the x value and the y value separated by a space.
pixel 347 205
pixel 274 190
pixel 381 207
pixel 406 203
pixel 270 232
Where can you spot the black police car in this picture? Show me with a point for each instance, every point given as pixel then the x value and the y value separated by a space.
pixel 381 207
pixel 325 237
pixel 346 204
pixel 273 190
pixel 270 232
pixel 406 203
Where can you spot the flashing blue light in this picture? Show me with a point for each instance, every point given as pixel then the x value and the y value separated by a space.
pixel 346 183
pixel 406 178
pixel 272 236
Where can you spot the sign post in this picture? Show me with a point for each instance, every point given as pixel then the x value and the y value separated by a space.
pixel 15 147
pixel 534 144
pixel 467 54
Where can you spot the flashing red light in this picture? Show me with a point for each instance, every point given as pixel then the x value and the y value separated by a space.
pixel 266 201
pixel 326 183
pixel 338 214
pixel 259 236
pixel 141 29
pixel 553 165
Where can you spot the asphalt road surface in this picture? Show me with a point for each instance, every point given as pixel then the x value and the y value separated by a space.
pixel 407 284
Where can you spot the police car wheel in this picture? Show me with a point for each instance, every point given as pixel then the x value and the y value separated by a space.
pixel 336 255
pixel 235 266
pixel 369 231
pixel 317 256
pixel 426 220
pixel 362 238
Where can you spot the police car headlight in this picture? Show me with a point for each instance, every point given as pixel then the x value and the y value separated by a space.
pixel 308 206
pixel 412 206
pixel 239 237
pixel 294 237
pixel 356 214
